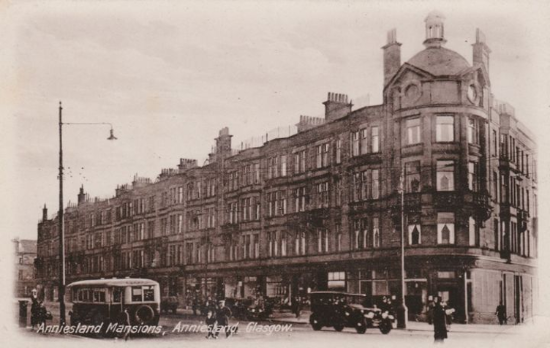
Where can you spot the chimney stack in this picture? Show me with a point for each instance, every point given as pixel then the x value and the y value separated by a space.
pixel 392 56
pixel 223 142
pixel 44 213
pixel 336 106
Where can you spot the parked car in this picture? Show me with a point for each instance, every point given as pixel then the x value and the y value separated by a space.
pixel 259 311
pixel 249 309
pixel 169 303
pixel 339 310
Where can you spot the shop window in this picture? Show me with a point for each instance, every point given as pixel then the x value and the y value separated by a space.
pixel 446 274
pixel 337 280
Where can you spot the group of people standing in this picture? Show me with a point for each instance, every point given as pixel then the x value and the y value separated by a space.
pixel 217 319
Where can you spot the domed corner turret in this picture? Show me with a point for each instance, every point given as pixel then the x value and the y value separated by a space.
pixel 435 29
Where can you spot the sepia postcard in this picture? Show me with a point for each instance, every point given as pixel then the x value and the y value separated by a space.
pixel 234 173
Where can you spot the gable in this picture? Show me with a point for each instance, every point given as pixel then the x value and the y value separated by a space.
pixel 407 72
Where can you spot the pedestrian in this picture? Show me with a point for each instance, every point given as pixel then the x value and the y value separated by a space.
pixel 222 316
pixel 439 321
pixel 501 314
pixel 448 314
pixel 127 324
pixel 195 305
pixel 211 323
pixel 42 314
pixel 35 307
pixel 298 307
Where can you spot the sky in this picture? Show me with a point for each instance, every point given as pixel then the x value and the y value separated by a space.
pixel 169 75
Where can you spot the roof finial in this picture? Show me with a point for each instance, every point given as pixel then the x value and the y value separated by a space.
pixel 435 29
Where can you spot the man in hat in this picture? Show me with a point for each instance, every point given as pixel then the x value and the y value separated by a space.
pixel 222 315
pixel 35 308
pixel 440 320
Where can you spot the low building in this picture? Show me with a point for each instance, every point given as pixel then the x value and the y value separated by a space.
pixel 318 206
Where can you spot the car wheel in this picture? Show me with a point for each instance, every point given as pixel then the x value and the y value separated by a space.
pixel 361 326
pixel 385 327
pixel 316 327
pixel 315 323
pixel 339 327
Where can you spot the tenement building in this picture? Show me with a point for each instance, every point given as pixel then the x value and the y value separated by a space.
pixel 25 254
pixel 319 207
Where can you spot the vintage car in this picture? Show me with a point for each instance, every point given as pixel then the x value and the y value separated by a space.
pixel 249 309
pixel 105 300
pixel 169 304
pixel 260 310
pixel 339 310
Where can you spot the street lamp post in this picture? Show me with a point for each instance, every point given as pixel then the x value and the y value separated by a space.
pixel 61 220
pixel 61 226
pixel 402 315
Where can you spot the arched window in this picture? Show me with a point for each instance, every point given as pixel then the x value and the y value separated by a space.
pixel 445 234
pixel 415 237
pixel 445 228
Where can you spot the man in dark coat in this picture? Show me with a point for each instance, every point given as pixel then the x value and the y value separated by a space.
pixel 439 321
pixel 35 308
pixel 222 316
pixel 501 314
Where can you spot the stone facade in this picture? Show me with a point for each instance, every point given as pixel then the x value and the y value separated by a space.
pixel 319 207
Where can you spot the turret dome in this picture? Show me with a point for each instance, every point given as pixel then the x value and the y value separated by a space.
pixel 439 61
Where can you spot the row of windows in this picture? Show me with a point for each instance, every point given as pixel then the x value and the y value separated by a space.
pixel 365 186
pixel 364 234
pixel 360 144
pixel 511 150
pixel 444 130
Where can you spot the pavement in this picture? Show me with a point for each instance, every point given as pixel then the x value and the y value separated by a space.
pixel 539 324
pixel 287 317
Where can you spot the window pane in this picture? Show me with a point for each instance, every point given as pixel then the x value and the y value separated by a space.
pixel 412 174
pixel 445 175
pixel 445 128
pixel 413 131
